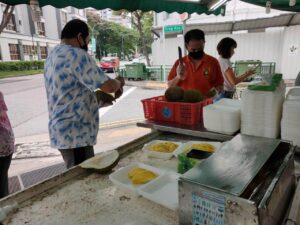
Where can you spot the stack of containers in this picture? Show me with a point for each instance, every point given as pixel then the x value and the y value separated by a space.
pixel 261 112
pixel 224 116
pixel 290 123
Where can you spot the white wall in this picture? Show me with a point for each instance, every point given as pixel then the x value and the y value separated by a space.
pixel 5 48
pixel 49 14
pixel 291 60
pixel 271 46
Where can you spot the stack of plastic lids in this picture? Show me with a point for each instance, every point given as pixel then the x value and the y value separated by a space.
pixel 290 123
pixel 223 116
pixel 261 111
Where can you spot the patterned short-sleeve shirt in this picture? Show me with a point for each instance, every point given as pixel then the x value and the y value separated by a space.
pixel 7 139
pixel 71 76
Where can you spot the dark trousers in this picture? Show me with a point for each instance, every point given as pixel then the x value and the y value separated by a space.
pixel 75 156
pixel 4 165
pixel 228 94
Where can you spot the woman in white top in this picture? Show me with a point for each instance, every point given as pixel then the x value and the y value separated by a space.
pixel 226 50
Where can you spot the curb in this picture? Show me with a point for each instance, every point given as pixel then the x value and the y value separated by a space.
pixel 45 136
pixel 121 123
pixel 157 85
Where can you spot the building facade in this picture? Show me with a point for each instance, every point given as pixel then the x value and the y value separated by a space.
pixel 24 39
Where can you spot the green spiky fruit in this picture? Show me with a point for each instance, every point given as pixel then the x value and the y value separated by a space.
pixel 192 96
pixel 174 94
pixel 104 97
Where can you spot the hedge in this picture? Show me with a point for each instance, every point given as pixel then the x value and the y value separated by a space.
pixel 21 65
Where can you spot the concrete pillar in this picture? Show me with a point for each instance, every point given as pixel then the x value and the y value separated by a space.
pixel 21 50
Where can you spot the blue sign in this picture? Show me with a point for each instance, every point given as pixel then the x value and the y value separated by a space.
pixel 93 44
pixel 167 112
pixel 208 209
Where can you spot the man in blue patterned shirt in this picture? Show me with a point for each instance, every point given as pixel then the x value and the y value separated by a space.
pixel 71 77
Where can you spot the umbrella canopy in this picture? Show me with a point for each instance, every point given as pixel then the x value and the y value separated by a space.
pixel 180 6
pixel 277 4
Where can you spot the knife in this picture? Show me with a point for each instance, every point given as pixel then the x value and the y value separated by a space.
pixel 180 55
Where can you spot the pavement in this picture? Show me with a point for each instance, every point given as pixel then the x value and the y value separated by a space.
pixel 34 159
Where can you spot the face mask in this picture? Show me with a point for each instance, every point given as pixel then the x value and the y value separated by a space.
pixel 84 46
pixel 196 55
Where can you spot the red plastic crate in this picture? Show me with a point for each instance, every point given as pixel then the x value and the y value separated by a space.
pixel 157 109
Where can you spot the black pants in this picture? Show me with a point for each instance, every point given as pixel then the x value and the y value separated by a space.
pixel 4 166
pixel 228 94
pixel 75 156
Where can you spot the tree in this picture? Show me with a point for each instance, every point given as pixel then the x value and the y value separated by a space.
pixel 143 22
pixel 7 14
pixel 112 37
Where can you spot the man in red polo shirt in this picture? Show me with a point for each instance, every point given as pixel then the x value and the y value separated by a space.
pixel 197 70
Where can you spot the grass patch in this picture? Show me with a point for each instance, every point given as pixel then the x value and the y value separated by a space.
pixel 5 74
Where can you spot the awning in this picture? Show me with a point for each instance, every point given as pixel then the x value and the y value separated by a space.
pixel 277 4
pixel 180 6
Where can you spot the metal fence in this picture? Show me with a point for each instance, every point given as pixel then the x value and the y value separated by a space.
pixel 160 73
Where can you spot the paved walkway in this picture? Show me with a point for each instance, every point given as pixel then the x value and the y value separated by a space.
pixel 35 160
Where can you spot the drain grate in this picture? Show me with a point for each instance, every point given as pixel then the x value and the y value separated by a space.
pixel 36 176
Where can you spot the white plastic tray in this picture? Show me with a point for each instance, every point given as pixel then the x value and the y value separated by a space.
pixel 161 155
pixel 163 190
pixel 188 144
pixel 120 177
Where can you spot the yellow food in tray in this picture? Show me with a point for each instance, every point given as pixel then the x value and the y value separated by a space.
pixel 167 147
pixel 202 146
pixel 141 176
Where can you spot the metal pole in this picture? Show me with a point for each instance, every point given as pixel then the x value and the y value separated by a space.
pixel 164 52
pixel 122 47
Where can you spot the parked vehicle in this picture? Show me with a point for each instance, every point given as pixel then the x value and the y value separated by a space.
pixel 110 64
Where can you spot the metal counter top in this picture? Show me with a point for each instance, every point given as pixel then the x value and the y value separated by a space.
pixel 234 166
pixel 196 130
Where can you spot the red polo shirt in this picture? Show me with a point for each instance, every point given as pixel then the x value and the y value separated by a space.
pixel 206 76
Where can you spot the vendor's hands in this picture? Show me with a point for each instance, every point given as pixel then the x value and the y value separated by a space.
pixel 181 71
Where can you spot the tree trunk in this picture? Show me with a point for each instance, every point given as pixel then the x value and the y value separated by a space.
pixel 139 26
pixel 7 13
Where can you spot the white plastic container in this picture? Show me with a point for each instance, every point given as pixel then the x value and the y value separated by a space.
pixel 120 177
pixel 290 123
pixel 261 112
pixel 223 117
pixel 161 155
pixel 189 144
pixel 294 94
pixel 163 190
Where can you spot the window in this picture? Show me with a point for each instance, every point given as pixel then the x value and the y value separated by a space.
pixel 29 49
pixel 44 52
pixel 14 52
pixel 41 28
pixel 12 24
pixel 64 18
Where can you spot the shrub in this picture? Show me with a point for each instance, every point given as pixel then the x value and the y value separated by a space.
pixel 21 65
